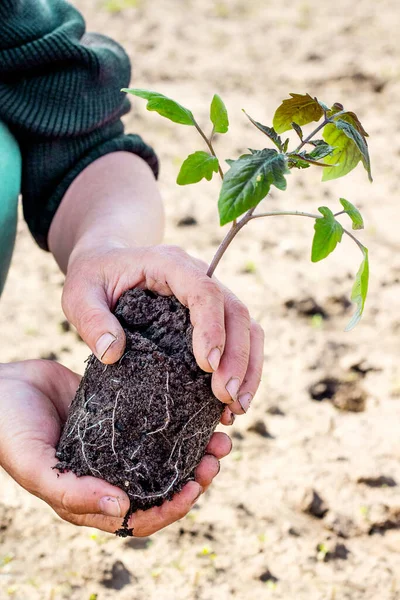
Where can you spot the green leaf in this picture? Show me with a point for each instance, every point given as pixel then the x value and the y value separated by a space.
pixel 219 115
pixel 300 108
pixel 300 160
pixel 298 130
pixel 354 214
pixel 328 233
pixel 296 160
pixel 360 290
pixel 320 151
pixel 350 147
pixel 248 181
pixel 269 132
pixel 164 106
pixel 196 167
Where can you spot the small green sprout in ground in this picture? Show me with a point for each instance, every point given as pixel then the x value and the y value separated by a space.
pixel 118 6
pixel 342 145
pixel 6 559
pixel 206 551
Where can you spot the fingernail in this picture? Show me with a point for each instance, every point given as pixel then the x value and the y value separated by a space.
pixel 198 495
pixel 233 417
pixel 245 400
pixel 232 387
pixel 103 344
pixel 214 358
pixel 110 506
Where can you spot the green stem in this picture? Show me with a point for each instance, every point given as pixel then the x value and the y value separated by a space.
pixel 234 230
pixel 249 216
pixel 210 147
pixel 353 237
pixel 290 213
pixel 324 122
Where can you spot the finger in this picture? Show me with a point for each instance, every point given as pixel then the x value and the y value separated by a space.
pixel 254 371
pixel 170 269
pixel 228 379
pixel 227 417
pixel 144 522
pixel 147 522
pixel 77 495
pixel 207 469
pixel 219 445
pixel 87 308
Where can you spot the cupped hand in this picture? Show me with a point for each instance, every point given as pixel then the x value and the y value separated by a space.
pixel 226 342
pixel 34 399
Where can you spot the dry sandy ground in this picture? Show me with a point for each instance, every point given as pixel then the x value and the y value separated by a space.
pixel 248 537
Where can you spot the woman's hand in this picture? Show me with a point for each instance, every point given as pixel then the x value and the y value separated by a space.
pixel 34 399
pixel 226 341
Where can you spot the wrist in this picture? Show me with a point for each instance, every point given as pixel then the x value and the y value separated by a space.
pixel 101 212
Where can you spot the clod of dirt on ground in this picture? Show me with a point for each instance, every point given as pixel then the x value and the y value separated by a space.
pixel 330 549
pixel 306 307
pixel 324 389
pixel 117 577
pixel 267 576
pixel 275 411
pixel 342 525
pixel 143 423
pixel 313 504
pixel 260 428
pixel 350 397
pixel 378 481
pixel 188 221
pixel 344 395
pixel 381 518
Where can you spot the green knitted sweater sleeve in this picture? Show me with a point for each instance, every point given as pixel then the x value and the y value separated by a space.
pixel 60 96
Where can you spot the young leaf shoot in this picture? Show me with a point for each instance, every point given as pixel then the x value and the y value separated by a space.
pixel 250 177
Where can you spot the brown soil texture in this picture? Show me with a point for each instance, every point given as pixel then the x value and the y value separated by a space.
pixel 143 424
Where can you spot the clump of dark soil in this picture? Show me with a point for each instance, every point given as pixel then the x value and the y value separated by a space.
pixel 143 424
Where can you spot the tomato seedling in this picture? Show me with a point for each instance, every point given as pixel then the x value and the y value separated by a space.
pixel 250 177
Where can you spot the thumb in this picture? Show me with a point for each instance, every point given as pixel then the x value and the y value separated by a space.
pixel 87 309
pixel 79 495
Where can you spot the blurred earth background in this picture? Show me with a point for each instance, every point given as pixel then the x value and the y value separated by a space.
pixel 307 506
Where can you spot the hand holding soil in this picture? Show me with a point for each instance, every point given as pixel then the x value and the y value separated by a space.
pixel 35 396
pixel 226 342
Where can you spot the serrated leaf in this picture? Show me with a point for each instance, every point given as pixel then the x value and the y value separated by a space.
pixel 166 107
pixel 298 130
pixel 352 118
pixel 219 115
pixel 249 180
pixel 350 148
pixel 354 214
pixel 300 108
pixel 199 165
pixel 269 132
pixel 320 151
pixel 328 233
pixel 360 290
